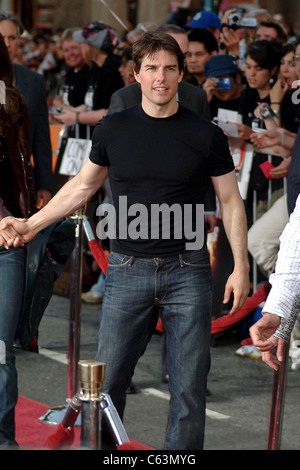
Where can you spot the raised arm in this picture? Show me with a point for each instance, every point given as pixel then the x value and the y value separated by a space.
pixel 235 224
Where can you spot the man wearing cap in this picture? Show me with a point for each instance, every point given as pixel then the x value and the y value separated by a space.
pixel 98 42
pixel 206 20
pixel 223 84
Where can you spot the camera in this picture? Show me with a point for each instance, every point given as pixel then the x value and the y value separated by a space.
pixel 236 20
pixel 267 112
pixel 54 110
pixel 222 83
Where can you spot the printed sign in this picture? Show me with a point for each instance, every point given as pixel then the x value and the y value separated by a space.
pixel 75 155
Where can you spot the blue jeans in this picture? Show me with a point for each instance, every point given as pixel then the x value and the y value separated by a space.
pixel 181 288
pixel 12 278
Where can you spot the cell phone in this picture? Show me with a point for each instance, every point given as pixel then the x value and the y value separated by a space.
pixel 54 110
pixel 222 83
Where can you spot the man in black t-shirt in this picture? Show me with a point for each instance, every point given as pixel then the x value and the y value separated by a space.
pixel 158 155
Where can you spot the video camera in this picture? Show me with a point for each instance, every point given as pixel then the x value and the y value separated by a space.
pixel 236 20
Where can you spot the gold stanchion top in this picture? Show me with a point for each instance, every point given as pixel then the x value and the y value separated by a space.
pixel 91 376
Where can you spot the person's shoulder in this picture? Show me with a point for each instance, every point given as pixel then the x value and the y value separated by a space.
pixel 190 88
pixel 130 90
pixel 117 116
pixel 23 71
pixel 117 119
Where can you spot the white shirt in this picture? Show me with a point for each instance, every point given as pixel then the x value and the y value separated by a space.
pixel 286 279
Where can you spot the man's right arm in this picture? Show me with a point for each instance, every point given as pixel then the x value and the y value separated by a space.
pixel 72 196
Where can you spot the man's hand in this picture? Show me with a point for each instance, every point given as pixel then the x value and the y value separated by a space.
pixel 261 334
pixel 211 222
pixel 238 285
pixel 14 232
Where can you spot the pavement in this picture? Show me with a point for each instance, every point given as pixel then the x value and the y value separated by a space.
pixel 239 388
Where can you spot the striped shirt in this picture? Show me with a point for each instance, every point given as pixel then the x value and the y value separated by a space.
pixel 285 280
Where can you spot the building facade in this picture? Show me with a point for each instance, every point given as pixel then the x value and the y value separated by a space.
pixel 124 14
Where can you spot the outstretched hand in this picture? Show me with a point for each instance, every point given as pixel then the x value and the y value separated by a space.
pixel 14 232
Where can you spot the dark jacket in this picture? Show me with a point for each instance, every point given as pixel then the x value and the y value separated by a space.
pixel 18 151
pixel 31 85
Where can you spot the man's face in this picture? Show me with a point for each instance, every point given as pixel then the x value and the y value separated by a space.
pixel 196 58
pixel 9 31
pixel 265 33
pixel 159 77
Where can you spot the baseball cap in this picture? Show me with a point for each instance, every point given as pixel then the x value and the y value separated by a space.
pixel 98 34
pixel 204 19
pixel 219 65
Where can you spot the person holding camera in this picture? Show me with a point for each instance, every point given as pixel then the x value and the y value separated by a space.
pixel 224 83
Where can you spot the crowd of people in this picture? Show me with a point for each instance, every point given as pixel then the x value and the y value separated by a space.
pixel 81 76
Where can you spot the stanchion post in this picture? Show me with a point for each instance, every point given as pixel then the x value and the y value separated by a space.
pixel 56 414
pixel 91 375
pixel 277 403
pixel 75 305
pixel 280 379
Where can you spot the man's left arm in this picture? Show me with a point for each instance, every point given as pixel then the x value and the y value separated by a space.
pixel 235 224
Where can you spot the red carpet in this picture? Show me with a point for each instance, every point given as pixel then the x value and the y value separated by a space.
pixel 31 434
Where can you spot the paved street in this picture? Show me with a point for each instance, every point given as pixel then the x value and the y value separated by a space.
pixel 238 405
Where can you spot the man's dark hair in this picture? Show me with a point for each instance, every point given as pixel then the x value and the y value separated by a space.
pixel 152 42
pixel 205 37
pixel 281 33
pixel 4 15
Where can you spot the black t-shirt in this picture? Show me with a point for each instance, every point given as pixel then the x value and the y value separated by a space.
pixel 249 101
pixel 290 113
pixel 216 103
pixel 75 85
pixel 103 82
pixel 159 160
